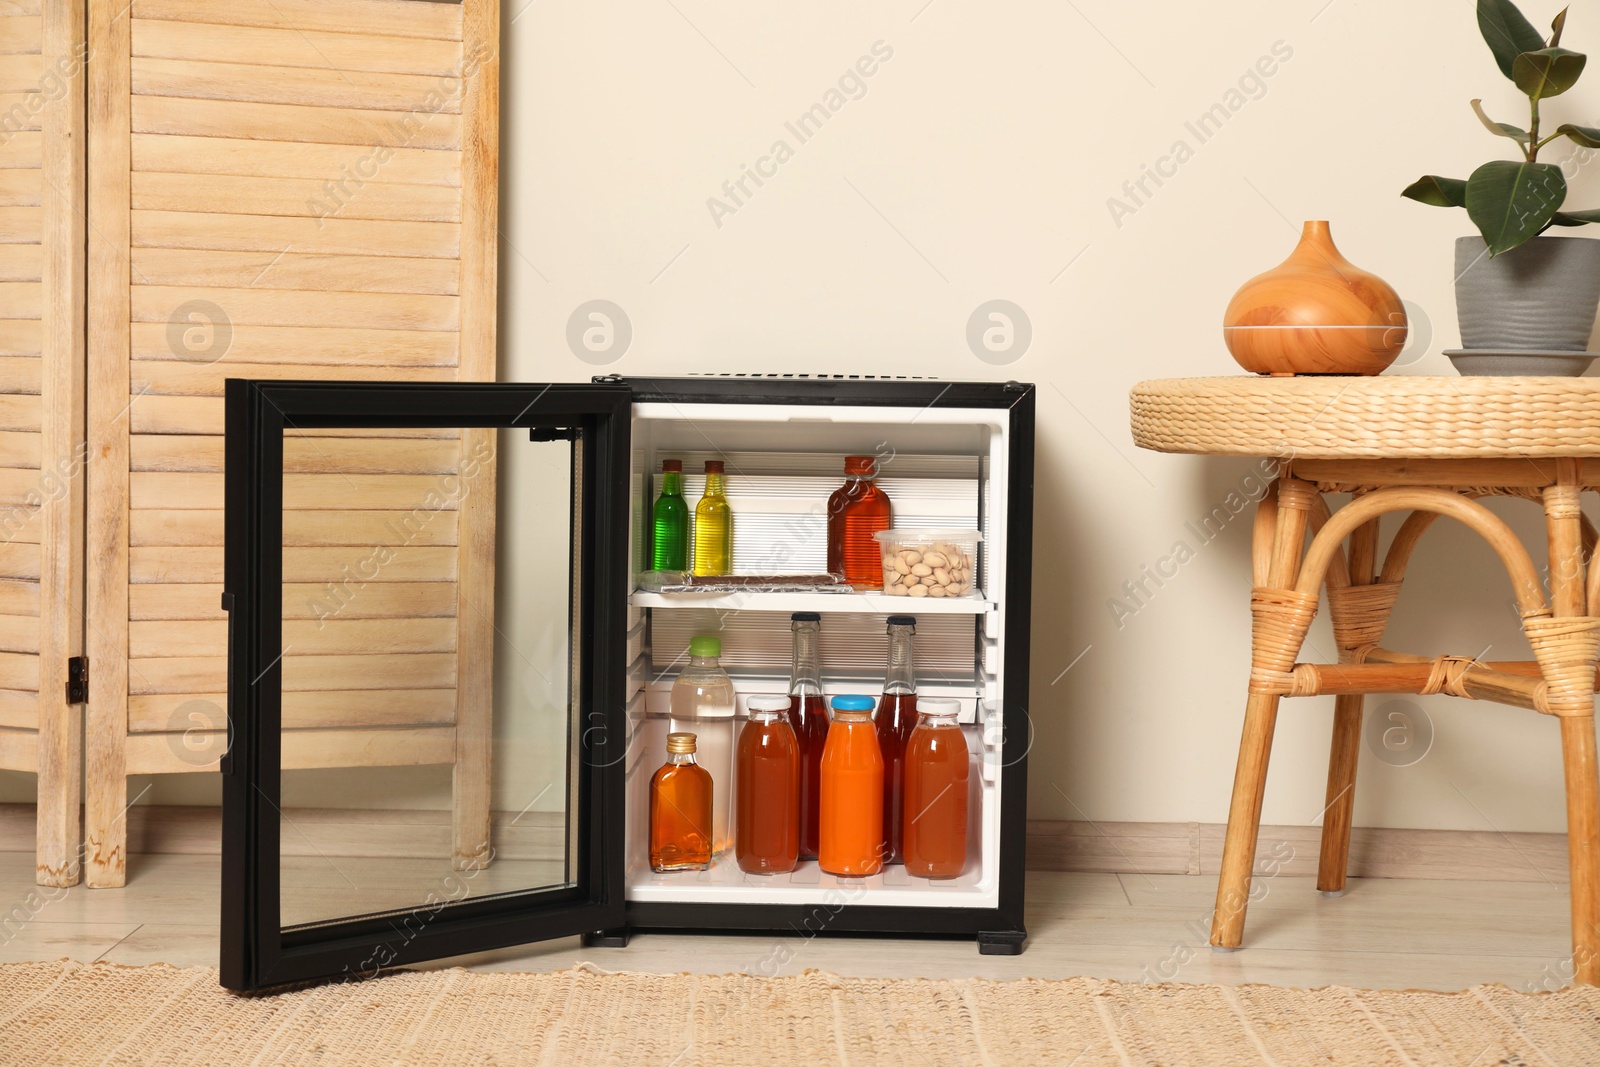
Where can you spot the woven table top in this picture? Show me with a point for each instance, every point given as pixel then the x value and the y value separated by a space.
pixel 1383 417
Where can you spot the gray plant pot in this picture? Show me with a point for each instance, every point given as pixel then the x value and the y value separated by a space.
pixel 1539 297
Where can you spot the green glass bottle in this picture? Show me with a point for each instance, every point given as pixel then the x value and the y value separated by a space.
pixel 713 526
pixel 669 545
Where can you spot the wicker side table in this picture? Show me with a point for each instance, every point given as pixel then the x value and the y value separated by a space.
pixel 1429 447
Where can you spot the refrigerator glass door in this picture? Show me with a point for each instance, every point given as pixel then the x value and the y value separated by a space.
pixel 426 586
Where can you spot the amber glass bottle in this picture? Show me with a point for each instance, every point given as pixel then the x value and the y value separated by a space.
pixel 857 510
pixel 680 810
pixel 896 718
pixel 937 766
pixel 767 812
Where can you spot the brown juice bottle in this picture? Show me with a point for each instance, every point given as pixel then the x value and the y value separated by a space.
pixel 808 717
pixel 857 510
pixel 766 836
pixel 937 769
pixel 896 718
pixel 680 810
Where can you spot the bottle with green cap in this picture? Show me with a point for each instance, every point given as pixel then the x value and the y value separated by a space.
pixel 702 704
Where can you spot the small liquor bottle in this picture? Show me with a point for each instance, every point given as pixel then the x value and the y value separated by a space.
pixel 669 546
pixel 857 510
pixel 680 810
pixel 852 792
pixel 808 716
pixel 936 793
pixel 713 526
pixel 897 717
pixel 766 816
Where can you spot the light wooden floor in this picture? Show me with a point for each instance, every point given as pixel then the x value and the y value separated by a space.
pixel 1385 933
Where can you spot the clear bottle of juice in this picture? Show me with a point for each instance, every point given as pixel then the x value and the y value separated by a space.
pixel 896 718
pixel 680 810
pixel 808 716
pixel 851 842
pixel 713 525
pixel 937 766
pixel 669 519
pixel 766 816
pixel 702 703
pixel 857 510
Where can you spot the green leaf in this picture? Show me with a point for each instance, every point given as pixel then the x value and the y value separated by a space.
pixel 1510 202
pixel 1440 192
pixel 1507 31
pixel 1556 27
pixel 1575 218
pixel 1587 136
pixel 1499 129
pixel 1547 72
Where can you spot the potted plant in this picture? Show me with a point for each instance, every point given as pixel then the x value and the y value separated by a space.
pixel 1526 302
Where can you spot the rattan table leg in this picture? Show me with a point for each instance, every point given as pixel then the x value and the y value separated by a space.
pixel 1293 505
pixel 1338 813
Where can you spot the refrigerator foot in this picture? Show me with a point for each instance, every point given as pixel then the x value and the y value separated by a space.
pixel 1001 942
pixel 617 938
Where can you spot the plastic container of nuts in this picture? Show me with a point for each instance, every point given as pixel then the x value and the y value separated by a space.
pixel 924 563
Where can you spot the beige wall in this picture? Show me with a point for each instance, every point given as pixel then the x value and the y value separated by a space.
pixel 976 165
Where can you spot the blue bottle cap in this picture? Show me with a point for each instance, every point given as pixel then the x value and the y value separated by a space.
pixel 851 702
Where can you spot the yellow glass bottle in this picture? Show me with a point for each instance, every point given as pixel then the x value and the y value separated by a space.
pixel 713 526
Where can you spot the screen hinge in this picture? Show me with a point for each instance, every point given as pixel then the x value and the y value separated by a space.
pixel 552 433
pixel 78 680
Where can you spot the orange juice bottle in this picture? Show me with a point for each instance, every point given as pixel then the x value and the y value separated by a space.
pixel 851 839
pixel 936 793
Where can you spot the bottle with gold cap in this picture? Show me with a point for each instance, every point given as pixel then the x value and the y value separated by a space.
pixel 680 810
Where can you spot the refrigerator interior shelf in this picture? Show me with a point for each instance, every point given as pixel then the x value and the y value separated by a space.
pixel 974 603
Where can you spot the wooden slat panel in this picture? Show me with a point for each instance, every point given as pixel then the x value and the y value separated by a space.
pixel 19 7
pixel 19 35
pixel 295 197
pixel 19 598
pixel 323 492
pixel 209 674
pixel 20 633
pixel 277 307
pixel 301 529
pixel 406 563
pixel 21 149
pixel 19 413
pixel 20 74
pixel 21 263
pixel 23 225
pixel 296 48
pixel 19 560
pixel 302 455
pixel 172 378
pixel 21 491
pixel 20 374
pixel 304 347
pixel 21 109
pixel 21 300
pixel 270 233
pixel 20 670
pixel 203 415
pixel 295 122
pixel 307 600
pixel 157 712
pixel 21 188
pixel 21 337
pixel 19 450
pixel 20 526
pixel 19 709
pixel 303 638
pixel 319 86
pixel 173 154
pixel 275 270
pixel 399 18
pixel 19 750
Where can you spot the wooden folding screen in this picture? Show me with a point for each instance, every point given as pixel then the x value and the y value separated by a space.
pixel 291 189
pixel 41 411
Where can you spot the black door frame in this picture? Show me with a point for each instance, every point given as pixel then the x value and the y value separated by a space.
pixel 256 952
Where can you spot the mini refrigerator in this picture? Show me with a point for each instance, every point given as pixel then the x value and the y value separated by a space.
pixel 449 573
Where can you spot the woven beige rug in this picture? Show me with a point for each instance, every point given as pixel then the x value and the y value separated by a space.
pixel 75 1013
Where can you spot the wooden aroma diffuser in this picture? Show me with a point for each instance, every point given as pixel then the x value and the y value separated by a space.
pixel 1315 313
